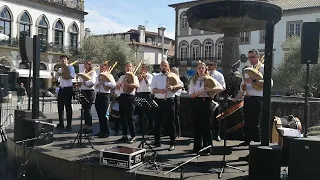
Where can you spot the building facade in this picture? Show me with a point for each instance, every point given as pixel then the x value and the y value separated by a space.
pixel 147 44
pixel 58 23
pixel 193 44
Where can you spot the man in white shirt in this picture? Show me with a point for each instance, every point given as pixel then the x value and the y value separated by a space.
pixel 126 106
pixel 102 101
pixel 144 91
pixel 65 93
pixel 212 67
pixel 164 97
pixel 252 101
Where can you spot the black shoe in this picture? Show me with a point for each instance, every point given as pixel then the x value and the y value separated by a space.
pixel 98 134
pixel 157 144
pixel 86 131
pixel 123 139
pixel 171 148
pixel 132 140
pixel 217 138
pixel 60 126
pixel 101 135
pixel 68 127
pixel 245 143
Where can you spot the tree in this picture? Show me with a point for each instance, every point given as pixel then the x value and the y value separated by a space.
pixel 112 49
pixel 291 74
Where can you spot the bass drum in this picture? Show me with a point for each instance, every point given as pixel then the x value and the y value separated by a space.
pixel 114 110
pixel 234 121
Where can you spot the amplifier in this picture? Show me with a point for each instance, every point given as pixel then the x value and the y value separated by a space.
pixel 304 158
pixel 122 157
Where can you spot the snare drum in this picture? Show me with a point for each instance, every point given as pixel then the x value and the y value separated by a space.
pixel 114 109
pixel 234 121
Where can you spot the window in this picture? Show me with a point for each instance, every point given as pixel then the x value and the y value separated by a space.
pixel 58 33
pixel 245 37
pixel 262 36
pixel 43 26
pixel 195 50
pixel 127 37
pixel 294 28
pixel 149 40
pixel 184 21
pixel 208 49
pixel 25 24
pixel 5 22
pixel 184 51
pixel 73 33
pixel 219 50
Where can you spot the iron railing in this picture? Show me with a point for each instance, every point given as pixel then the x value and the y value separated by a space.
pixel 7 110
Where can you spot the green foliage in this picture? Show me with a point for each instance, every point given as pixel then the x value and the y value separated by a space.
pixel 291 74
pixel 112 49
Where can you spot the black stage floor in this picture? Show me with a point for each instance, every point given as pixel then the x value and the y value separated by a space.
pixel 56 161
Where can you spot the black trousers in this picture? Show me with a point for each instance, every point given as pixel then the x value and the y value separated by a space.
pixel 126 108
pixel 86 106
pixel 176 112
pixel 102 102
pixel 144 113
pixel 64 100
pixel 202 112
pixel 252 116
pixel 215 123
pixel 165 113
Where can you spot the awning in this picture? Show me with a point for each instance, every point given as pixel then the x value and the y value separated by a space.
pixel 44 74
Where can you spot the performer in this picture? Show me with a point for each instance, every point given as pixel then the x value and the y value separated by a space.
pixel 144 91
pixel 252 101
pixel 126 106
pixel 102 101
pixel 87 89
pixel 212 67
pixel 164 97
pixel 177 105
pixel 202 108
pixel 65 92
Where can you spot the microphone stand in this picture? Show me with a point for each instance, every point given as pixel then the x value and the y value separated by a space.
pixel 224 162
pixel 181 166
pixel 80 134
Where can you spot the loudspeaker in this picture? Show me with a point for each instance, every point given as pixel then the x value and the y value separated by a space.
pixel 3 86
pixel 304 158
pixel 26 49
pixel 310 42
pixel 265 162
pixel 12 80
pixel 26 128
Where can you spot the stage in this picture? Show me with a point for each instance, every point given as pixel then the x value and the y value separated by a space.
pixel 57 161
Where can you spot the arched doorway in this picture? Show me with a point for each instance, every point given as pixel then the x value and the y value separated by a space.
pixel 23 65
pixel 43 66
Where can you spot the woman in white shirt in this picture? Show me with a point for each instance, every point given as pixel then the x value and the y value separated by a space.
pixel 87 89
pixel 202 109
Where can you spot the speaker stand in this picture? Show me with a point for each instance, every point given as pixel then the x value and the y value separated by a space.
pixel 306 101
pixel 29 91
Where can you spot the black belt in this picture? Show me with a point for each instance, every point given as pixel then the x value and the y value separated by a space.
pixel 253 97
pixel 163 99
pixel 65 87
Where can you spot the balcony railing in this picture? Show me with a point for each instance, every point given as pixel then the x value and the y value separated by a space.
pixel 12 42
pixel 193 61
pixel 74 4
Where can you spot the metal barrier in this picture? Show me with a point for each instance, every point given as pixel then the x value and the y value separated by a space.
pixel 7 111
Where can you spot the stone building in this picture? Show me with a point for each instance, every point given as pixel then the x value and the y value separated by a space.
pixel 59 23
pixel 193 44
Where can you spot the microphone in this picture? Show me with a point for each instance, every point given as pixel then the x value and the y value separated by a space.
pixel 203 149
pixel 45 123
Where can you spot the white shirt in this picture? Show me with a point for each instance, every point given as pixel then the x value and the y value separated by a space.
pixel 91 82
pixel 178 93
pixel 144 87
pixel 197 86
pixel 100 88
pixel 66 82
pixel 250 90
pixel 135 79
pixel 219 77
pixel 159 82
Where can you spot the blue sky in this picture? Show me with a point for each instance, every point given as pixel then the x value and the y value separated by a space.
pixel 107 16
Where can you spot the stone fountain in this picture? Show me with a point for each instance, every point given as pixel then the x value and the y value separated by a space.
pixel 231 17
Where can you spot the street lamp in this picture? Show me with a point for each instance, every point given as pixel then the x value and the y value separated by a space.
pixel 161 34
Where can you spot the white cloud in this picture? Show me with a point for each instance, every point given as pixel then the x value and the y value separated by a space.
pixel 100 24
